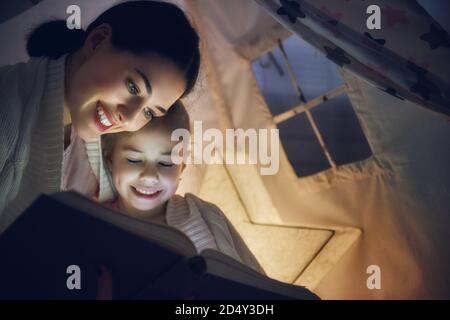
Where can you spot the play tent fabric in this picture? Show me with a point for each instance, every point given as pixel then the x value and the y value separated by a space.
pixel 403 58
pixel 397 198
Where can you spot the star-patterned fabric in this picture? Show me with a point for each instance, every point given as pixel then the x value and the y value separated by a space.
pixel 408 58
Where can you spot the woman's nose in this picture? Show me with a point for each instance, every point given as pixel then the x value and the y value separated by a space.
pixel 128 113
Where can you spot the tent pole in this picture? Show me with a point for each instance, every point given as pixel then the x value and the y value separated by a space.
pixel 309 105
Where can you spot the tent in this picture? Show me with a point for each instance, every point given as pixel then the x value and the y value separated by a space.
pixel 358 208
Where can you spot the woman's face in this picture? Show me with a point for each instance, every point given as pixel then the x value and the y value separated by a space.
pixel 112 91
pixel 142 170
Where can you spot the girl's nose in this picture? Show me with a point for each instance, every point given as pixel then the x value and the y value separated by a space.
pixel 149 176
pixel 149 181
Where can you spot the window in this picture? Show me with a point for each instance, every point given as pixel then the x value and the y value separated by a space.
pixel 329 134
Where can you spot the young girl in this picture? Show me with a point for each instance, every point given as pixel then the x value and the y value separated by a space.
pixel 130 65
pixel 146 180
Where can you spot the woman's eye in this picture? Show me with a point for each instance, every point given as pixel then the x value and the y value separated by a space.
pixel 133 161
pixel 132 88
pixel 148 114
pixel 166 164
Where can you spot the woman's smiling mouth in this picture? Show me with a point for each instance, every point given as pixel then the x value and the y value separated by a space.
pixel 103 118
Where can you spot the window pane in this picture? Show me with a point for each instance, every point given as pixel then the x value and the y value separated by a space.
pixel 335 118
pixel 301 146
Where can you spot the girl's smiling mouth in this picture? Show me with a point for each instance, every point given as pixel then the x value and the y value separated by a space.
pixel 147 193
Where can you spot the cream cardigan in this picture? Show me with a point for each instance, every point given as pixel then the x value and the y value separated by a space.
pixel 31 133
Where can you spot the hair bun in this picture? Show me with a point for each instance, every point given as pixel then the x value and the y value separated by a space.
pixel 53 39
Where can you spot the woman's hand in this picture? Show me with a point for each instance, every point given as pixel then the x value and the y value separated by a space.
pixel 104 284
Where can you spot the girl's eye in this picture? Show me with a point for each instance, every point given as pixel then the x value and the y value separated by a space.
pixel 132 88
pixel 148 113
pixel 167 165
pixel 133 161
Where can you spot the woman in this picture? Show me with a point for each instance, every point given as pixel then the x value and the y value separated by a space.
pixel 132 63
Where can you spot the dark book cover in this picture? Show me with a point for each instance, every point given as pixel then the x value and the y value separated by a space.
pixel 40 249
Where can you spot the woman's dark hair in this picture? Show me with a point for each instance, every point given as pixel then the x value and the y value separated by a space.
pixel 139 27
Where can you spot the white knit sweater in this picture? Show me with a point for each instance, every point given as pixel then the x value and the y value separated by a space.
pixel 200 220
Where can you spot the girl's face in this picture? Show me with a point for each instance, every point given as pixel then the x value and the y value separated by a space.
pixel 142 170
pixel 112 91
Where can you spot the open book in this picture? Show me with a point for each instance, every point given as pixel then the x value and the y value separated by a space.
pixel 54 250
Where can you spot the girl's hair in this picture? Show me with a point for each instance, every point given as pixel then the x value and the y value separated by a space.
pixel 175 118
pixel 139 27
